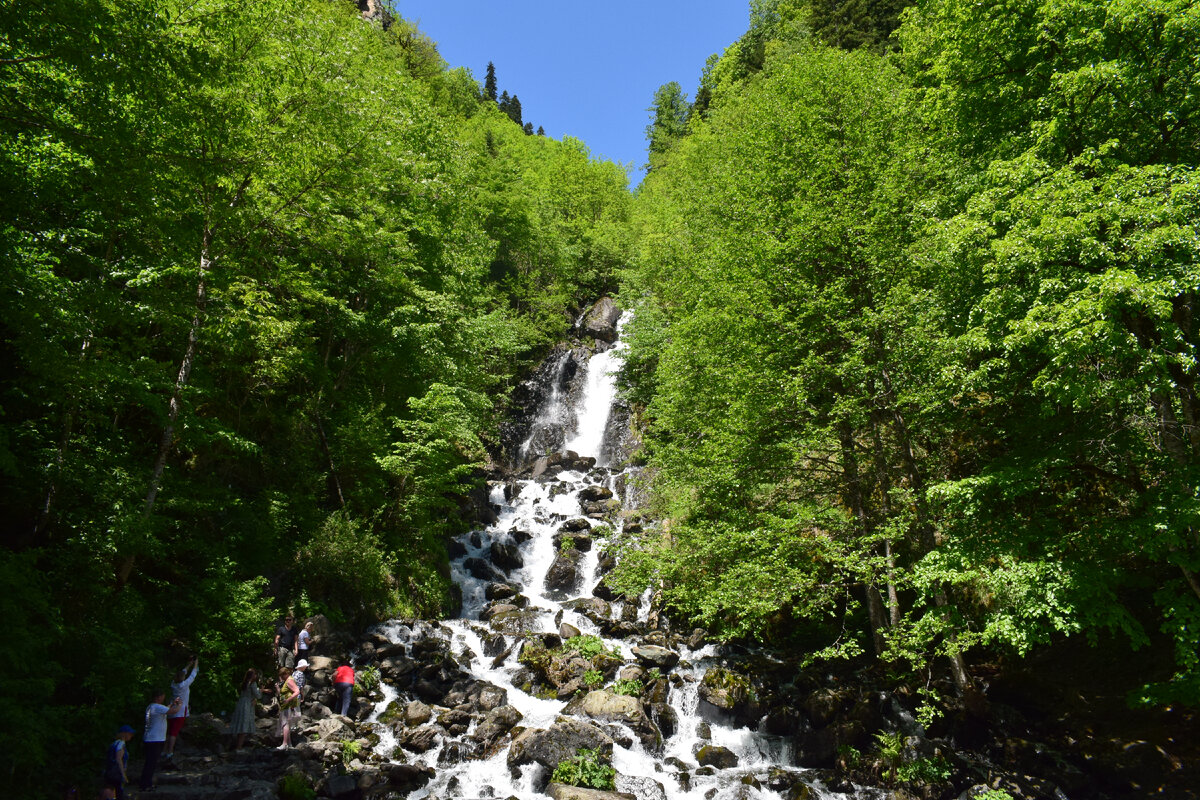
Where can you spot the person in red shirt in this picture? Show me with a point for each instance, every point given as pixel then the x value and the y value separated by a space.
pixel 343 681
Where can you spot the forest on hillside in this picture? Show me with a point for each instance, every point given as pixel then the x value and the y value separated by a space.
pixel 267 273
pixel 916 335
pixel 913 355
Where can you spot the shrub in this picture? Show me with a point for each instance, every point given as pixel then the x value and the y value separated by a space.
pixel 588 769
pixel 593 678
pixel 346 567
pixel 296 786
pixel 629 688
pixel 586 645
pixel 366 680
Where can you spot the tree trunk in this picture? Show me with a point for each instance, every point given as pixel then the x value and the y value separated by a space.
pixel 852 487
pixel 181 381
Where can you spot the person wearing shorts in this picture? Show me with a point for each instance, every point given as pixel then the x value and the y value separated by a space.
pixel 181 688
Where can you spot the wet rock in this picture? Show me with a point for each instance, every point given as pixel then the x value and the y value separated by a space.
pixel 819 748
pixel 481 570
pixel 640 787
pixel 715 756
pixel 578 541
pixel 595 609
pixel 600 321
pixel 566 630
pixel 575 525
pixel 516 621
pixel 520 535
pixel 506 556
pixel 500 591
pixel 407 777
pixel 554 744
pixel 782 721
pixel 654 656
pixel 726 696
pixel 606 706
pixel 495 725
pixel 561 791
pixel 456 549
pixel 420 740
pixel 417 713
pixel 494 644
pixel 592 494
pixel 496 610
pixel 563 575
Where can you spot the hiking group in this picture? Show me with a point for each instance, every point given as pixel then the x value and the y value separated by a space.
pixel 164 722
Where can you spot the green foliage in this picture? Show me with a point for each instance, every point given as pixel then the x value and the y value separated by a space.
pixel 350 751
pixel 586 768
pixel 629 688
pixel 534 654
pixel 296 786
pixel 993 794
pixel 593 679
pixel 925 771
pixel 586 645
pixel 348 567
pixel 366 680
pixel 566 545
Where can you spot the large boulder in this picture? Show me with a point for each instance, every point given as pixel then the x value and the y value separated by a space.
pixel 506 556
pixel 563 576
pixel 655 656
pixel 600 322
pixel 714 756
pixel 562 791
pixel 609 707
pixel 495 725
pixel 549 746
pixel 727 697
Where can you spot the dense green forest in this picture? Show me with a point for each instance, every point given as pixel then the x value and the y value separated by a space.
pixel 913 355
pixel 267 272
pixel 916 343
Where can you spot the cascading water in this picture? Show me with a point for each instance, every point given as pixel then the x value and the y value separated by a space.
pixel 522 582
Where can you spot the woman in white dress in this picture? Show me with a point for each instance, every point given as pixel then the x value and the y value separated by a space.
pixel 242 723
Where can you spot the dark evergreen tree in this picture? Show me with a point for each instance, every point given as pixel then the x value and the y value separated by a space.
pixel 514 110
pixel 489 82
pixel 541 131
pixel 529 129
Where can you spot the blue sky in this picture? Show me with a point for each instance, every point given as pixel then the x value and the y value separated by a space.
pixel 587 70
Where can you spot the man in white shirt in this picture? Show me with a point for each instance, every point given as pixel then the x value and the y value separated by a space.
pixel 155 736
pixel 181 689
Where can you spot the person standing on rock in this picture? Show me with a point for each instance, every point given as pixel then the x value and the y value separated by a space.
pixel 304 642
pixel 285 642
pixel 343 682
pixel 182 689
pixel 155 736
pixel 116 762
pixel 300 676
pixel 242 724
pixel 289 706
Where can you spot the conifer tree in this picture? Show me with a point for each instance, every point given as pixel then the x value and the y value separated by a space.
pixel 529 129
pixel 489 82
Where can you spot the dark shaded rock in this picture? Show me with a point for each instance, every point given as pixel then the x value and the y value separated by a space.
pixel 495 725
pixel 556 743
pixel 481 570
pixel 420 740
pixel 575 525
pixel 494 644
pixel 600 322
pixel 563 575
pixel 593 608
pixel 456 549
pixel 499 591
pixel 506 556
pixel 593 494
pixel 407 777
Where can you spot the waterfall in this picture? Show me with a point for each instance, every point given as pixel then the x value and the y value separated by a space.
pixel 515 565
